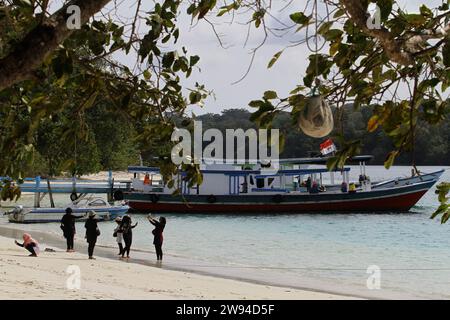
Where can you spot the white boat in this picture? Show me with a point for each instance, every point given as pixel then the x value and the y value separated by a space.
pixel 80 208
pixel 285 187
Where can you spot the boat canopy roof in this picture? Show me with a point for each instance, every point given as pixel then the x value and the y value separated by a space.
pixel 236 172
pixel 323 160
pixel 142 169
pixel 292 161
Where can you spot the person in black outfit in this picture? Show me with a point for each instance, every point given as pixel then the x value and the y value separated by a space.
pixel 127 232
pixel 158 235
pixel 308 184
pixel 92 232
pixel 68 227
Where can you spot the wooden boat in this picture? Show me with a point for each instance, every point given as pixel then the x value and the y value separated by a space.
pixel 80 208
pixel 233 189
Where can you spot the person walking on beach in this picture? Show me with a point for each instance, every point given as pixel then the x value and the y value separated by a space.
pixel 118 234
pixel 92 232
pixel 30 244
pixel 68 228
pixel 127 233
pixel 158 235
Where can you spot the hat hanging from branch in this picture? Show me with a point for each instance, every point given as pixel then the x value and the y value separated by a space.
pixel 316 119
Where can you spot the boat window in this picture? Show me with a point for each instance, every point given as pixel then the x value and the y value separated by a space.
pixel 260 182
pixel 270 181
pixel 252 182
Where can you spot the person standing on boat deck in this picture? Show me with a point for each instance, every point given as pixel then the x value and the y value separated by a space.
pixel 68 227
pixel 30 244
pixel 92 232
pixel 158 235
pixel 308 184
pixel 127 232
pixel 118 233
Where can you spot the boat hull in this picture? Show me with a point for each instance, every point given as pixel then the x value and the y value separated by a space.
pixel 393 199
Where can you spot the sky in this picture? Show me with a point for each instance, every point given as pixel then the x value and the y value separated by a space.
pixel 221 67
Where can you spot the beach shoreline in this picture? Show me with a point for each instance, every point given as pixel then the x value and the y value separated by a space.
pixel 48 274
pixel 49 277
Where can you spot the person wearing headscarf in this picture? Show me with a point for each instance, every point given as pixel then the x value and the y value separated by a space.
pixel 68 228
pixel 158 235
pixel 30 244
pixel 127 231
pixel 92 232
pixel 118 233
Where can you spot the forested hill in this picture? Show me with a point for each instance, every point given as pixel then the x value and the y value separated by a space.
pixel 432 143
pixel 112 142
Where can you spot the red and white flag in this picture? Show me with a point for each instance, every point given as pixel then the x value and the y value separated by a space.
pixel 327 147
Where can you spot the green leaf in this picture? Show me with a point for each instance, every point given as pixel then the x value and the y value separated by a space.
pixel 425 11
pixel 168 59
pixel 300 18
pixel 269 95
pixel 297 90
pixel 390 159
pixel 332 163
pixel 446 53
pixel 193 60
pixel 274 59
pixel 442 208
pixel 445 217
pixel 415 19
pixel 195 97
pixel 324 27
pixel 226 9
pixel 333 34
pixel 385 8
pixel 297 100
pixel 373 123
pixel 319 64
pixel 256 103
pixel 339 13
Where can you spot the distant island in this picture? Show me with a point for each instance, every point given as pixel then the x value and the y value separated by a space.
pixel 113 143
pixel 432 143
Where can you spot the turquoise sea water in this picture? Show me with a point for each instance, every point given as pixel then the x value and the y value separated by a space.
pixel 321 251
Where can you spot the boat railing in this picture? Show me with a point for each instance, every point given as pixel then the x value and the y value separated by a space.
pixel 39 184
pixel 270 190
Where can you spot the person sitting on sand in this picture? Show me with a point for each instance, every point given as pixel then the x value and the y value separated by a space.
pixel 118 233
pixel 30 244
pixel 158 234
pixel 68 228
pixel 92 232
pixel 127 233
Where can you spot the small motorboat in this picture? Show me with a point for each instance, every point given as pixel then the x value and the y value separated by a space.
pixel 80 208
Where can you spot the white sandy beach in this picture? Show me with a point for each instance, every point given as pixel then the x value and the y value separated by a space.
pixel 46 277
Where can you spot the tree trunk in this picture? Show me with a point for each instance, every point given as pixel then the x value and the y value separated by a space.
pixel 41 41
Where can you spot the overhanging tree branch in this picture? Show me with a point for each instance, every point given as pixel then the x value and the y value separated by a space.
pixel 400 51
pixel 41 41
pixel 391 46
